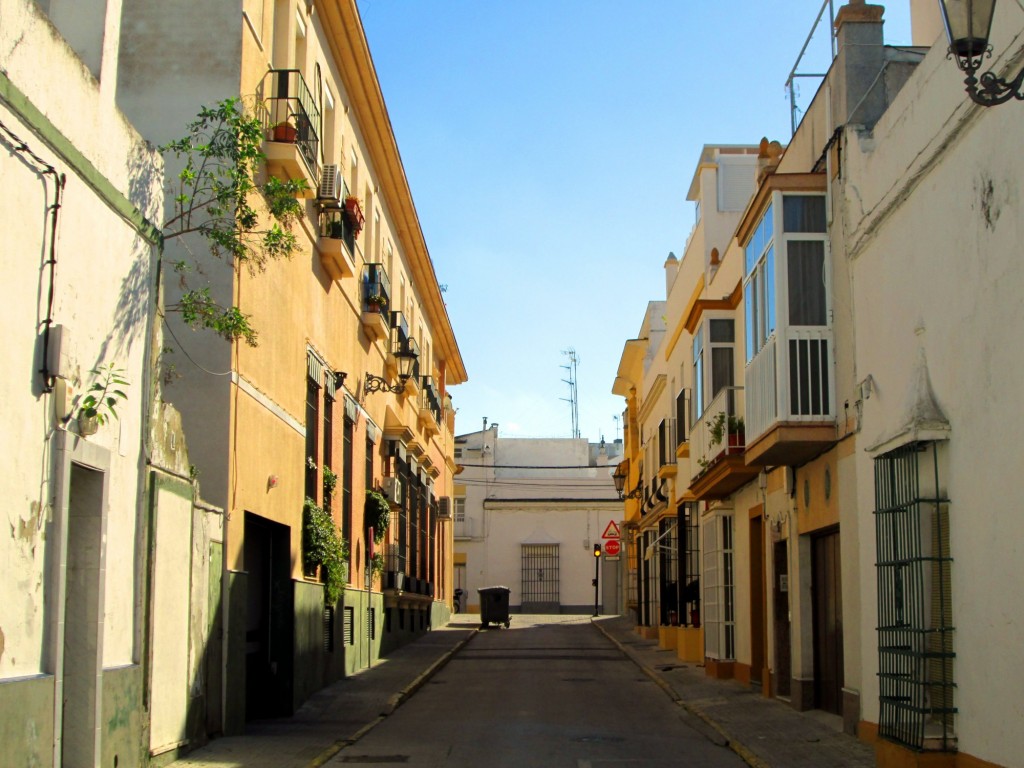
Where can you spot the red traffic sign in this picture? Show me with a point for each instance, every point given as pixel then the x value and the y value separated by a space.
pixel 611 531
pixel 612 547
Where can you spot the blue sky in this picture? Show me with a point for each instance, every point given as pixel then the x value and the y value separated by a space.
pixel 549 145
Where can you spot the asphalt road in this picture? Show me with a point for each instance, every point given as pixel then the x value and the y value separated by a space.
pixel 550 691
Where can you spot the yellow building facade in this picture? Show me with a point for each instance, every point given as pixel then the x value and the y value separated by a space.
pixel 347 390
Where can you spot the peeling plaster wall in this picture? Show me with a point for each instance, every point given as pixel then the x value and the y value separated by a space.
pixel 102 294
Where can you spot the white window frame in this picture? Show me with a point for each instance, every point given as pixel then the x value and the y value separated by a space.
pixel 703 390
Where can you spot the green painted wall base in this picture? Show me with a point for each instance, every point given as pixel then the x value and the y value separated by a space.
pixel 234 704
pixel 26 721
pixel 122 742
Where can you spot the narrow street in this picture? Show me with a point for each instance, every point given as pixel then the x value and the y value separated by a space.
pixel 547 692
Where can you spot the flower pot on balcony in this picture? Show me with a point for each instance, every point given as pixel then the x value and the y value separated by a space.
pixel 87 425
pixel 736 440
pixel 285 133
pixel 354 213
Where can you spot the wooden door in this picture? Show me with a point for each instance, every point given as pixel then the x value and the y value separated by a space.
pixel 826 587
pixel 783 658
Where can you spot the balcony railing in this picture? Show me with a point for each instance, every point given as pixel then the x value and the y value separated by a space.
pixel 719 431
pixel 431 400
pixel 399 332
pixel 666 443
pixel 377 291
pixel 682 416
pixel 791 382
pixel 291 114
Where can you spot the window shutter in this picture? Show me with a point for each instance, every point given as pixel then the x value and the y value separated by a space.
pixel 711 618
pixel 735 184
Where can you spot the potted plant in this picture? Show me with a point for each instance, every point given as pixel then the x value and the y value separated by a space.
pixel 354 213
pixel 716 428
pixel 376 303
pixel 736 431
pixel 100 405
pixel 336 229
pixel 285 132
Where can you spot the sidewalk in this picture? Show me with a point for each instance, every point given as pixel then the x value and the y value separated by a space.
pixel 766 733
pixel 339 714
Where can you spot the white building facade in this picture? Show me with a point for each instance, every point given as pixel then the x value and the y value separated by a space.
pixel 528 516
pixel 79 262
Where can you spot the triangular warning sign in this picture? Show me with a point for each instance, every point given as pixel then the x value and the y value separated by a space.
pixel 611 532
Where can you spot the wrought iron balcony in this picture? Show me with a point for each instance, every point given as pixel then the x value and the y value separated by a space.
pixel 376 298
pixel 291 115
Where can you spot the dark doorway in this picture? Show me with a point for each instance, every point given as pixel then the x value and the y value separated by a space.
pixel 783 660
pixel 83 618
pixel 269 619
pixel 826 590
pixel 215 645
pixel 758 638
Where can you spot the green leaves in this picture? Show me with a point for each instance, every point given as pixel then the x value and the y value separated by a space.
pixel 217 199
pixel 104 394
pixel 322 545
pixel 200 310
pixel 377 515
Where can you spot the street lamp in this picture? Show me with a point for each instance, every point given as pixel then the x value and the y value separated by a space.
pixel 406 361
pixel 619 478
pixel 968 23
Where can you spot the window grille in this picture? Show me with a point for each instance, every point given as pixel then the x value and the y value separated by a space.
pixel 712 620
pixel 348 626
pixel 540 578
pixel 668 568
pixel 329 628
pixel 690 564
pixel 728 590
pixel 371 623
pixel 719 589
pixel 915 623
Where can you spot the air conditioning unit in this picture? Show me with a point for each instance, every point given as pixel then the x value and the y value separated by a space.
pixel 444 508
pixel 330 185
pixel 393 489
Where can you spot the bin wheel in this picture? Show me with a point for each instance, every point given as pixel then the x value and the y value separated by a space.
pixel 483 625
pixel 508 623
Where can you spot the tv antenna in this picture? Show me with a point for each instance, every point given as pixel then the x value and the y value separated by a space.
pixel 573 398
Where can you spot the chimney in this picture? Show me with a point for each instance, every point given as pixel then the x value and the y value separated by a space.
pixel 858 98
pixel 769 155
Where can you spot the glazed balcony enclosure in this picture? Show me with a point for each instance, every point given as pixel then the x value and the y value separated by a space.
pixel 291 119
pixel 790 410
